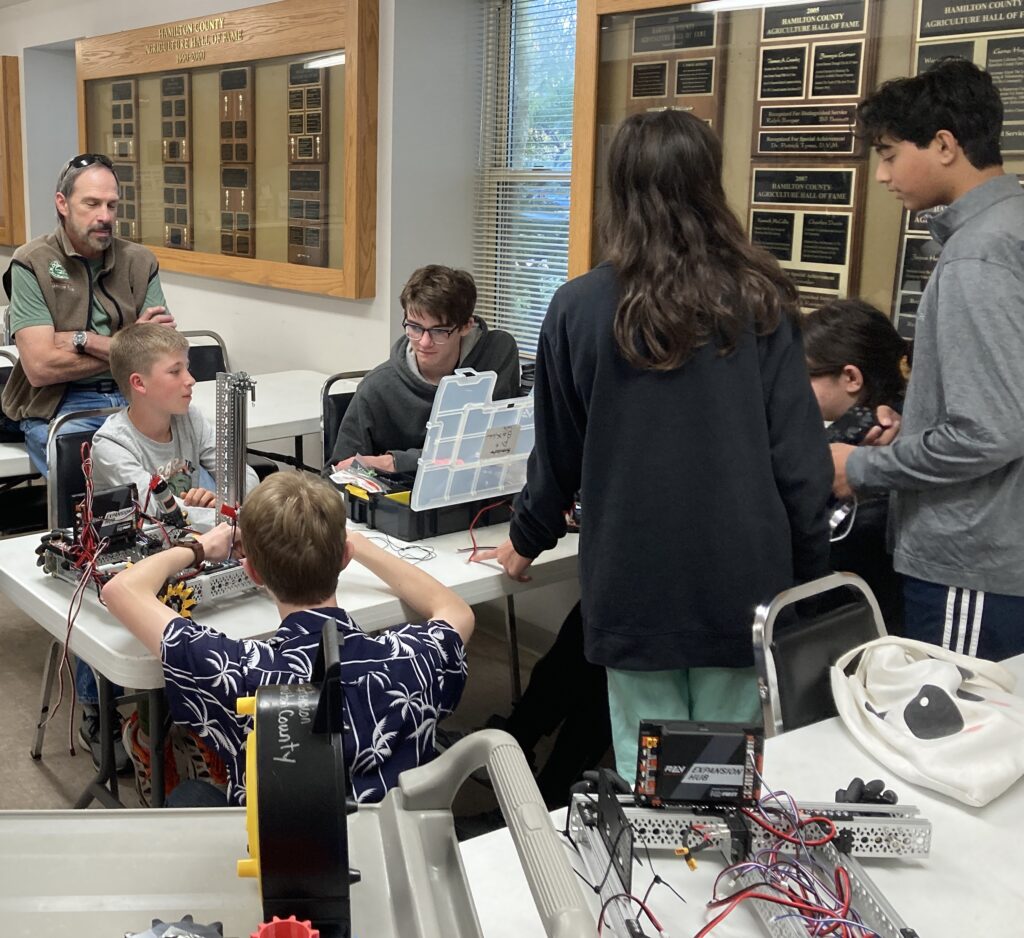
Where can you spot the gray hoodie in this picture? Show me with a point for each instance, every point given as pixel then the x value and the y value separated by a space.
pixel 957 466
pixel 392 404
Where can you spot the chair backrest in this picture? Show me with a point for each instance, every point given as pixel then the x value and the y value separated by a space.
pixel 332 409
pixel 9 432
pixel 7 325
pixel 792 664
pixel 205 359
pixel 64 464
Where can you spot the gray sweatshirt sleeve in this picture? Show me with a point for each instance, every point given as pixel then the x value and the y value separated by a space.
pixel 980 334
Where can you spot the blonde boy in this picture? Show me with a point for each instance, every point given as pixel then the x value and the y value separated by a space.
pixel 160 432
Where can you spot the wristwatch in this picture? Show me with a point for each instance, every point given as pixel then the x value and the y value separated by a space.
pixel 198 551
pixel 78 341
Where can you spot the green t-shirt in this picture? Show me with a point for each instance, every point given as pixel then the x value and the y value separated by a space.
pixel 29 309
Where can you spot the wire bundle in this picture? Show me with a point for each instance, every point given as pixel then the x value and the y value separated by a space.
pixel 787 874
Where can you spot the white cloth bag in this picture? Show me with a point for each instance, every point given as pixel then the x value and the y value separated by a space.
pixel 936 718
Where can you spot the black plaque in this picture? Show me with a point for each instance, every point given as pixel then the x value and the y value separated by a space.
pixel 809 115
pixel 650 80
pixel 920 255
pixel 1012 138
pixel 774 232
pixel 667 32
pixel 836 70
pixel 695 76
pixel 806 142
pixel 906 315
pixel 944 18
pixel 782 72
pixel 825 239
pixel 933 53
pixel 813 279
pixel 838 17
pixel 803 186
pixel 1005 63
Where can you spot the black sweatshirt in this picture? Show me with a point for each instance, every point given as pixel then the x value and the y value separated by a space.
pixel 704 489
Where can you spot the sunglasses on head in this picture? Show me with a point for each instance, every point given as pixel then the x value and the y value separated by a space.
pixel 87 159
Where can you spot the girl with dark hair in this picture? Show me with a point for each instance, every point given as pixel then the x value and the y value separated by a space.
pixel 671 390
pixel 855 358
pixel 857 362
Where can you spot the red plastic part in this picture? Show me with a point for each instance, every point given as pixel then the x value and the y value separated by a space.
pixel 289 927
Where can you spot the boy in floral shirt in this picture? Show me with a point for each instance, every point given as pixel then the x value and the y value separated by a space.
pixel 398 683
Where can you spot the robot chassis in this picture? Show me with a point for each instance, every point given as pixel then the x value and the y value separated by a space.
pixel 871 831
pixel 193 587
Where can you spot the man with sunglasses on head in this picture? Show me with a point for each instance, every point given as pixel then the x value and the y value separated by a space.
pixel 70 291
pixel 386 423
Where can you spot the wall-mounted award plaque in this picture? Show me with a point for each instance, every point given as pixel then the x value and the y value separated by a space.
pixel 806 216
pixel 238 161
pixel 991 34
pixel 676 61
pixel 815 62
pixel 307 215
pixel 127 223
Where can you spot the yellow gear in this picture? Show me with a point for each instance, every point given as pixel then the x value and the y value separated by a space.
pixel 180 597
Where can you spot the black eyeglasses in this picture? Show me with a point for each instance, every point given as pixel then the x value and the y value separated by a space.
pixel 87 159
pixel 438 334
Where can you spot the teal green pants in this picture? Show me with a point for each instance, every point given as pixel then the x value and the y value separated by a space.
pixel 714 694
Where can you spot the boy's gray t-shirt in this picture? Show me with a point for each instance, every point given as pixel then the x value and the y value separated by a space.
pixel 121 455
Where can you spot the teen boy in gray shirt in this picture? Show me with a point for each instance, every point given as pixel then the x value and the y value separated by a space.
pixel 957 466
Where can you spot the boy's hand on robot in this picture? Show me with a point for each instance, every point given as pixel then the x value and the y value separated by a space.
pixel 221 541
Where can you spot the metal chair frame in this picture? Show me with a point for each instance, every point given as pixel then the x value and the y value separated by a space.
pixel 327 445
pixel 764 629
pixel 53 496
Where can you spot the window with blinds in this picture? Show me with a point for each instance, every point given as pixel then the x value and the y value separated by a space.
pixel 522 226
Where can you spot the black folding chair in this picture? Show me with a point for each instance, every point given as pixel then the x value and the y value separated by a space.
pixel 332 409
pixel 205 359
pixel 793 661
pixel 22 504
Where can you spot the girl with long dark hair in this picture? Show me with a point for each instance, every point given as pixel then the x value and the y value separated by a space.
pixel 672 391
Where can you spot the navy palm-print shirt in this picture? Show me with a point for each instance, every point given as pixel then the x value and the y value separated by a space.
pixel 398 683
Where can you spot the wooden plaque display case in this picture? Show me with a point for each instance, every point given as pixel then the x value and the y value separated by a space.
pixel 12 182
pixel 229 165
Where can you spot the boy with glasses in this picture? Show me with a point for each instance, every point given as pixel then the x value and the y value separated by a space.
pixel 386 422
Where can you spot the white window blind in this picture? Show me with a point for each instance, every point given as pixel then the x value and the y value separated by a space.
pixel 522 229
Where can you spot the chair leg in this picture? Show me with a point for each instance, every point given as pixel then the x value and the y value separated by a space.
pixel 511 633
pixel 49 673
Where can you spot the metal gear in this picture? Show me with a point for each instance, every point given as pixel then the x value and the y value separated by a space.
pixel 186 928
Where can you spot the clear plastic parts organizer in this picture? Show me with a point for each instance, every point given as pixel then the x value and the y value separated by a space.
pixel 475 447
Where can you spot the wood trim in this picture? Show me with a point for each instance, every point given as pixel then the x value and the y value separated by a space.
pixel 289 27
pixel 12 178
pixel 584 122
pixel 584 137
pixel 250 34
pixel 360 247
pixel 321 280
